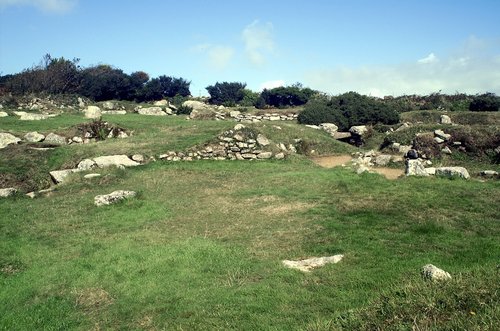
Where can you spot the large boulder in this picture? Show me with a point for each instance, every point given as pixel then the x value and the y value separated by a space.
pixel 161 103
pixel 113 197
pixel 7 139
pixel 152 111
pixel 93 112
pixel 34 137
pixel 450 172
pixel 115 160
pixel 415 168
pixel 433 273
pixel 55 139
pixel 196 105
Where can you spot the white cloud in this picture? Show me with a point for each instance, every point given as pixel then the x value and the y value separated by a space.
pixel 258 39
pixel 460 72
pixel 431 58
pixel 48 6
pixel 272 84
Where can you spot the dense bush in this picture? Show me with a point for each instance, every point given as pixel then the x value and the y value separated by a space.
pixel 485 102
pixel 250 98
pixel 227 94
pixel 288 96
pixel 163 87
pixel 347 110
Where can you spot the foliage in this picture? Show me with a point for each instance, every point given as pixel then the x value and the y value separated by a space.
pixel 347 110
pixel 104 82
pixel 227 94
pixel 250 98
pixel 288 96
pixel 485 102
pixel 184 110
pixel 164 87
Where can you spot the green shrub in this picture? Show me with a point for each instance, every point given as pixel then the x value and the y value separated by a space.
pixel 289 96
pixel 227 94
pixel 485 102
pixel 184 110
pixel 347 110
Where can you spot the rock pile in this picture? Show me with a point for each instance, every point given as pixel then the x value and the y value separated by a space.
pixel 241 143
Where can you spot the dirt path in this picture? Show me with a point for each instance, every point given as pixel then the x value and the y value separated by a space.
pixel 338 160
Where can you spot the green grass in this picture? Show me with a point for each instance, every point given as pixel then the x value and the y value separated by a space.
pixel 200 247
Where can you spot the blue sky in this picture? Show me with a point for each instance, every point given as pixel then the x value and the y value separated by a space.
pixel 372 47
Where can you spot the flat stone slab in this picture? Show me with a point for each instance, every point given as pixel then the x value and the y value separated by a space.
pixel 315 262
pixel 113 197
pixel 7 139
pixel 60 175
pixel 115 160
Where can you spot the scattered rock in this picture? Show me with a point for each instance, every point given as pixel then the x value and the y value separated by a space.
pixel 262 140
pixel 7 192
pixel 113 197
pixel 3 114
pixel 89 176
pixel 93 112
pixel 138 158
pixel 445 119
pixel 359 130
pixel 315 262
pixel 383 160
pixel 115 160
pixel 152 111
pixel 449 172
pixel 489 173
pixel 34 137
pixel 442 135
pixel 446 150
pixel 329 128
pixel 108 105
pixel 86 165
pixel 433 273
pixel 7 139
pixel 55 139
pixel 415 168
pixel 60 175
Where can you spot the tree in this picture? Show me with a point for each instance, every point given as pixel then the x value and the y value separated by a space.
pixel 228 94
pixel 104 82
pixel 164 87
pixel 485 102
pixel 288 96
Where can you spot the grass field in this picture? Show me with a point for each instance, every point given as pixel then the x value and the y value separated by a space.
pixel 200 247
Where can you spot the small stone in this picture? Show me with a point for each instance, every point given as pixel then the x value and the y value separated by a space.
pixel 59 176
pixel 446 150
pixel 113 197
pixel 264 155
pixel 279 156
pixel 248 156
pixel 415 168
pixel 34 137
pixel 449 172
pixel 8 139
pixel 55 139
pixel 383 160
pixel 433 273
pixel 262 140
pixel 3 114
pixel 86 164
pixel 438 140
pixel 239 127
pixel 445 119
pixel 31 195
pixel 138 158
pixel 90 176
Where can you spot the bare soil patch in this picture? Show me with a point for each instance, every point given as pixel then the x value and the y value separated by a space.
pixel 332 161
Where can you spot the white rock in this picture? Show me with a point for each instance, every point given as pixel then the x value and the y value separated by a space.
pixel 234 113
pixel 161 103
pixel 196 105
pixel 445 119
pixel 264 155
pixel 489 173
pixel 122 134
pixel 138 158
pixel 152 111
pixel 81 103
pixel 446 150
pixel 7 139
pixel 450 172
pixel 438 140
pixel 115 160
pixel 77 140
pixel 431 272
pixel 3 114
pixel 383 160
pixel 329 127
pixel 86 164
pixel 93 112
pixel 248 156
pixel 262 140
pixel 7 192
pixel 108 105
pixel 239 127
pixel 114 112
pixel 55 139
pixel 60 175
pixel 113 197
pixel 90 176
pixel 442 135
pixel 34 137
pixel 313 126
pixel 358 130
pixel 279 156
pixel 315 262
pixel 431 171
pixel 415 168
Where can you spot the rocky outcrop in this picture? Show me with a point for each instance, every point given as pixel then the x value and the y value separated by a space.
pixel 113 197
pixel 450 172
pixel 7 139
pixel 315 262
pixel 433 273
